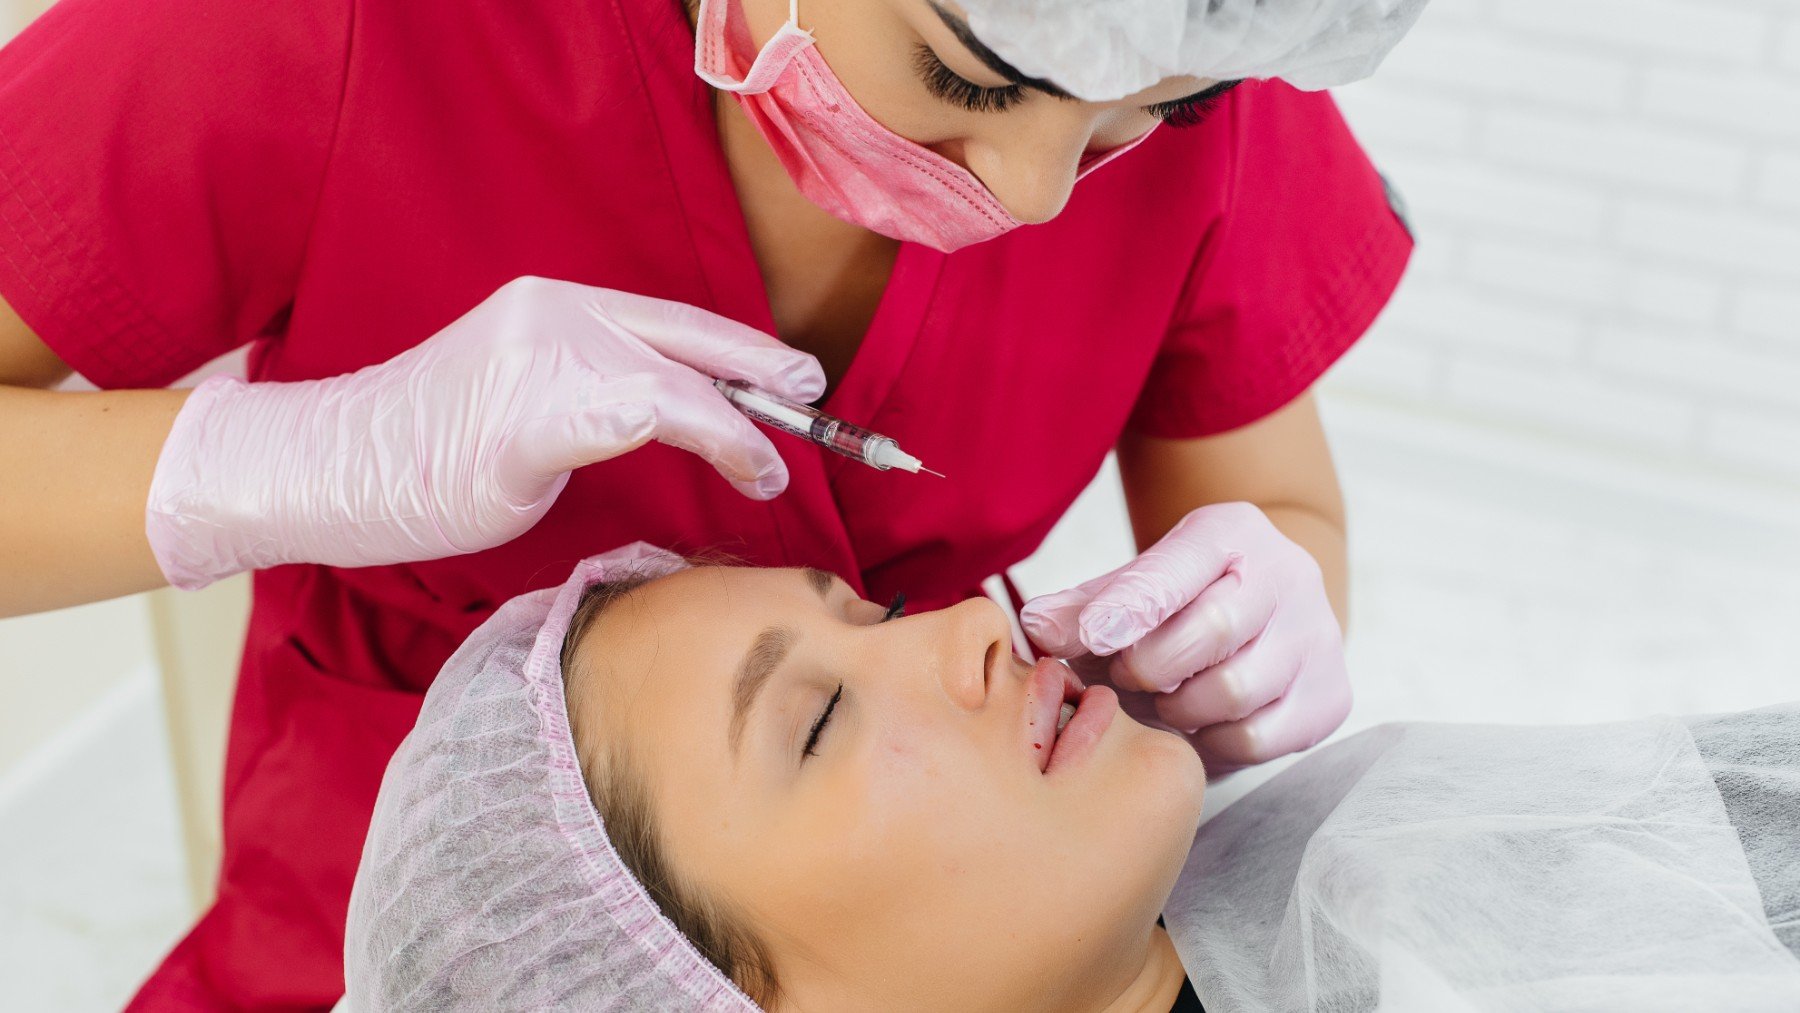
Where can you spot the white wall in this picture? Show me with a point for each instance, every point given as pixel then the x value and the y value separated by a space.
pixel 55 666
pixel 16 14
pixel 1608 198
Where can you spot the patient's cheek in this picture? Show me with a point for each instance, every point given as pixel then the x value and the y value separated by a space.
pixel 904 772
pixel 901 751
pixel 911 774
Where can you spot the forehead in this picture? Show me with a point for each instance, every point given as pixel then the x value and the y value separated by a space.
pixel 737 590
pixel 694 607
pixel 679 638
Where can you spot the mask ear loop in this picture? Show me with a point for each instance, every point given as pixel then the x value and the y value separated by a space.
pixel 768 64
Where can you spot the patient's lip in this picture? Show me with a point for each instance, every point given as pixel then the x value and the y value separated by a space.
pixel 1093 716
pixel 1049 686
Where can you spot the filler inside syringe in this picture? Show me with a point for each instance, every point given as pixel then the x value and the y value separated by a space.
pixel 812 425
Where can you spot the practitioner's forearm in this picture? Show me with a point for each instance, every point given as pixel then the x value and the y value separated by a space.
pixel 75 472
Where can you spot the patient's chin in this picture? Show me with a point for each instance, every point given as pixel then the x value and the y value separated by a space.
pixel 1169 750
pixel 1167 759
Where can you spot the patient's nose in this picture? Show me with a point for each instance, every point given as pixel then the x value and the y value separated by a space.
pixel 975 647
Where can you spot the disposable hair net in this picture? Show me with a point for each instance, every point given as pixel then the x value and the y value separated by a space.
pixel 1649 865
pixel 487 880
pixel 1107 49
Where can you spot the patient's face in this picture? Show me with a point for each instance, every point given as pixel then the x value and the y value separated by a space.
pixel 888 804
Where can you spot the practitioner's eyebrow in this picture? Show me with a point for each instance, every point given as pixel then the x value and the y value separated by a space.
pixel 766 653
pixel 990 59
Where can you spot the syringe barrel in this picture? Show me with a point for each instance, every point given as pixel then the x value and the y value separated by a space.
pixel 849 440
pixel 806 422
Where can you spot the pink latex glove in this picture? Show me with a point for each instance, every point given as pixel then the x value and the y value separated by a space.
pixel 463 442
pixel 1221 631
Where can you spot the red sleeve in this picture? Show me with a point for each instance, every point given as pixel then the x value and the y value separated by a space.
pixel 1306 251
pixel 160 161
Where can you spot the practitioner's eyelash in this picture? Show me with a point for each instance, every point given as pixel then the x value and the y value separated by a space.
pixel 1193 110
pixel 957 90
pixel 895 610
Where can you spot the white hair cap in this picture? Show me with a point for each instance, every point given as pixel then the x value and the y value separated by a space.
pixel 487 879
pixel 1106 49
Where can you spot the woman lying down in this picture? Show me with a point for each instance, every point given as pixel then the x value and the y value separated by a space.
pixel 665 787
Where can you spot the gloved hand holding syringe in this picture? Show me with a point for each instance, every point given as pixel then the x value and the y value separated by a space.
pixel 815 426
pixel 464 441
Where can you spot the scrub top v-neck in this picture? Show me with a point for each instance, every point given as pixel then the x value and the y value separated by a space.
pixel 332 181
pixel 726 260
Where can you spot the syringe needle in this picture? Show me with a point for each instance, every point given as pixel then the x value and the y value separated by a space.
pixel 929 471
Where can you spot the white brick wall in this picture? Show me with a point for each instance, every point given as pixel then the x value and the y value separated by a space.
pixel 1607 196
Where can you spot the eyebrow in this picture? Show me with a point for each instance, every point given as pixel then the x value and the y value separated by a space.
pixel 990 59
pixel 766 653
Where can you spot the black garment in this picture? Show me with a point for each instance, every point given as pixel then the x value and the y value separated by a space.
pixel 1187 1001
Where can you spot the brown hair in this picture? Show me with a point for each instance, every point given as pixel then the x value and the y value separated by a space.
pixel 623 801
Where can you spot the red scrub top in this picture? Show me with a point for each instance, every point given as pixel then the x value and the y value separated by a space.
pixel 331 181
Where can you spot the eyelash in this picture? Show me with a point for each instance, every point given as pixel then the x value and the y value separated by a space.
pixel 818 728
pixel 957 90
pixel 1190 112
pixel 952 87
pixel 895 610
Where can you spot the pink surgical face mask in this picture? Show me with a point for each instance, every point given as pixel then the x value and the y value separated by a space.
pixel 836 154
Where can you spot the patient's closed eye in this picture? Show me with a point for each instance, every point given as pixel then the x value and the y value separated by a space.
pixel 818 728
pixel 895 610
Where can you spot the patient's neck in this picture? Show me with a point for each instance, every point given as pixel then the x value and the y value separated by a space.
pixel 1156 986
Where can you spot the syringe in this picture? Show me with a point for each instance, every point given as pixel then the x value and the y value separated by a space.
pixel 814 426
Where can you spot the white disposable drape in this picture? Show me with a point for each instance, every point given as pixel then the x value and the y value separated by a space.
pixel 1649 865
